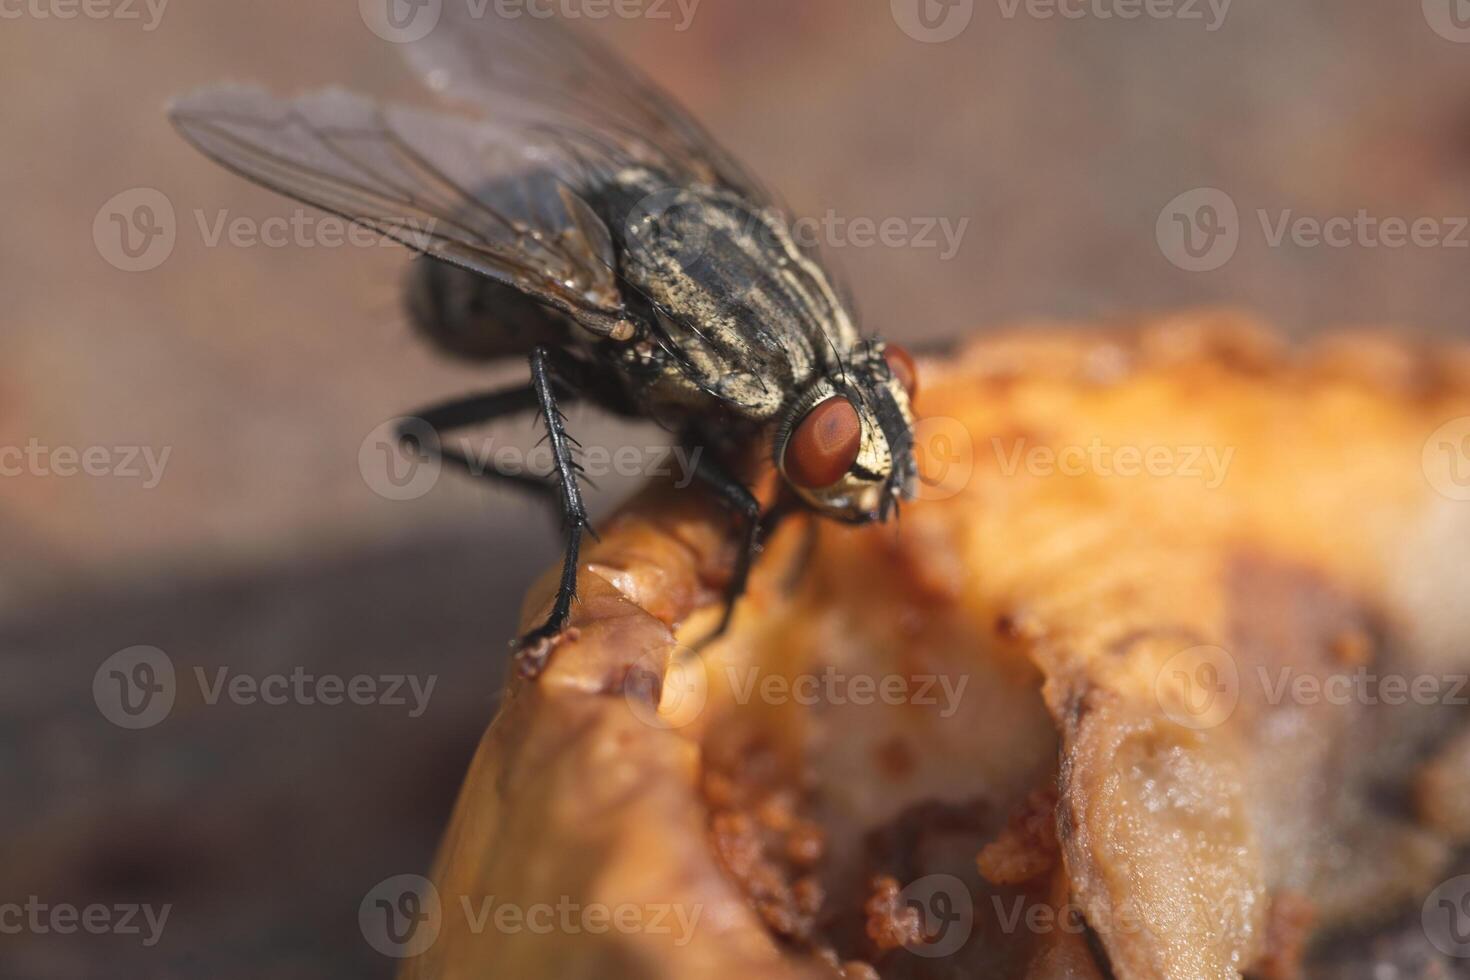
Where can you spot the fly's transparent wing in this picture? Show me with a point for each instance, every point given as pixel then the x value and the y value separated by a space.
pixel 537 72
pixel 489 199
pixel 534 71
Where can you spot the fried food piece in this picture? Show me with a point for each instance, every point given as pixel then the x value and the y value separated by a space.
pixel 1028 845
pixel 1174 570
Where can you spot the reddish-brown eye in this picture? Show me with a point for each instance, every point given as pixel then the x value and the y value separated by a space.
pixel 901 363
pixel 824 445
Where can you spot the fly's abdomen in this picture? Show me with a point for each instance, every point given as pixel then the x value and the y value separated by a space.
pixel 473 316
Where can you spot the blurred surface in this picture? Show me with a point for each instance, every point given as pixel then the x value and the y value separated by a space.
pixel 255 377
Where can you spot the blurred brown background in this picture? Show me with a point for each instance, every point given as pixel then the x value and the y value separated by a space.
pixel 1052 145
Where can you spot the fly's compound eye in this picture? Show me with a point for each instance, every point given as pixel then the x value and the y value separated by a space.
pixel 824 445
pixel 901 363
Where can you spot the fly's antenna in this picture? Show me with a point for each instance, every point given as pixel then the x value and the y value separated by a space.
pixel 837 358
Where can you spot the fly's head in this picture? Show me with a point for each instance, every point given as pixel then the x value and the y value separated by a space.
pixel 847 444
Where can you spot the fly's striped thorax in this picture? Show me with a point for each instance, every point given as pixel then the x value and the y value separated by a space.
pixel 747 315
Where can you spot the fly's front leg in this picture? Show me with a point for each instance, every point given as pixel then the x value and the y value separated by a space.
pixel 534 648
pixel 804 552
pixel 743 502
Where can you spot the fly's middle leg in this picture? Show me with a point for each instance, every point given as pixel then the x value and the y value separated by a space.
pixel 560 488
pixel 533 649
pixel 735 495
pixel 438 420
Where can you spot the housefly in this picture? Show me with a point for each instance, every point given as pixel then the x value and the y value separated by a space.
pixel 568 211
